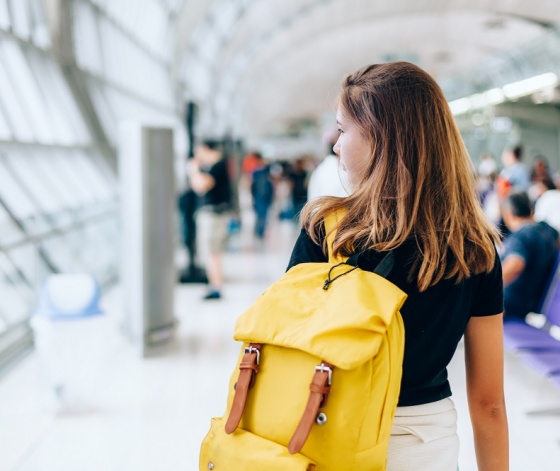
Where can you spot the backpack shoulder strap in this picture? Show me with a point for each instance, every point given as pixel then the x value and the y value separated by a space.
pixel 331 222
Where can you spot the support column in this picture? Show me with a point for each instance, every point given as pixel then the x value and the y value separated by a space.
pixel 147 195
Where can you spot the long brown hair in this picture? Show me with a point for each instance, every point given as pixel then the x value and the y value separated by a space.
pixel 418 183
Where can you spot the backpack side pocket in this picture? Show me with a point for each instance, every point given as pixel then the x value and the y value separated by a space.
pixel 243 450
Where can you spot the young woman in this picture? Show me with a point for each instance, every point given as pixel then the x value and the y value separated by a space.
pixel 414 193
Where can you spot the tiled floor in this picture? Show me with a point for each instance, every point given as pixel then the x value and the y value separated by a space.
pixel 151 414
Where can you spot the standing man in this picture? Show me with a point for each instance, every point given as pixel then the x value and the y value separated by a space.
pixel 209 179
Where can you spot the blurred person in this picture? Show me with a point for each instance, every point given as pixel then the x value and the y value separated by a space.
pixel 486 187
pixel 487 166
pixel 541 179
pixel 541 173
pixel 297 175
pixel 514 175
pixel 262 192
pixel 528 256
pixel 414 194
pixel 283 190
pixel 491 207
pixel 249 164
pixel 547 208
pixel 209 178
pixel 328 179
pixel 556 179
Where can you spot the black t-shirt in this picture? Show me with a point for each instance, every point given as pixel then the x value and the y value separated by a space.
pixel 219 195
pixel 434 320
pixel 537 245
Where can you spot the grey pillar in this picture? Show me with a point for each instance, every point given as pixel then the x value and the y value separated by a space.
pixel 147 216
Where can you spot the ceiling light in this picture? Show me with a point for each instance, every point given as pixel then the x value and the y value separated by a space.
pixel 511 91
pixel 530 85
pixel 495 96
pixel 462 105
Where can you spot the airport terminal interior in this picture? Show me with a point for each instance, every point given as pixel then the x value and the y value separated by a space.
pixel 115 348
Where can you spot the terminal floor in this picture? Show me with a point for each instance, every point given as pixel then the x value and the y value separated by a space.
pixel 128 413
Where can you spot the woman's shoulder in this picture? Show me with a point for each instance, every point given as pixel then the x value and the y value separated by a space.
pixel 306 250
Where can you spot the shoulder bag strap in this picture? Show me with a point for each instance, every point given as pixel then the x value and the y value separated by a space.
pixel 319 391
pixel 331 222
pixel 248 367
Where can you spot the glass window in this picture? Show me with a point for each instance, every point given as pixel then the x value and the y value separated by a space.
pixel 5 133
pixel 102 258
pixel 45 165
pixel 3 322
pixel 148 24
pixel 9 231
pixel 131 68
pixel 210 47
pixel 105 170
pixel 40 28
pixel 66 101
pixel 65 252
pixel 16 295
pixel 104 110
pixel 62 160
pixel 88 52
pixel 30 268
pixel 32 181
pixel 20 16
pixel 27 91
pixel 174 5
pixel 100 238
pixel 4 15
pixel 199 77
pixel 13 195
pixel 92 178
pixel 62 129
pixel 17 119
pixel 200 35
pixel 225 16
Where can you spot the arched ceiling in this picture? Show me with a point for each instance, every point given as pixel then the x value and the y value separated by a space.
pixel 254 66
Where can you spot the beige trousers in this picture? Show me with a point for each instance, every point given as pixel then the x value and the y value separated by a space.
pixel 424 438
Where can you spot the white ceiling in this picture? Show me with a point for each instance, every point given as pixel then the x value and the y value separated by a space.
pixel 255 65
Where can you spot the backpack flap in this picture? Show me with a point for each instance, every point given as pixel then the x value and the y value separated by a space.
pixel 343 325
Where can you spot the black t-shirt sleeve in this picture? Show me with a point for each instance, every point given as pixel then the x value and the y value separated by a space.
pixel 306 251
pixel 489 295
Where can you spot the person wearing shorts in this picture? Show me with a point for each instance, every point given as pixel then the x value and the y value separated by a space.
pixel 209 178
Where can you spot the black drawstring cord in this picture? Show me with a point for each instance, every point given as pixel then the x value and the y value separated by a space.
pixel 328 281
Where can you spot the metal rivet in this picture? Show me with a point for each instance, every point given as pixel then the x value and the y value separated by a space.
pixel 321 418
pixel 210 465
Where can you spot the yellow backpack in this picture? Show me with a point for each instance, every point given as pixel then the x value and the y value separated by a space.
pixel 319 373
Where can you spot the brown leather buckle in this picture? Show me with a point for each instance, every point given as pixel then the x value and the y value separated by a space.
pixel 248 369
pixel 320 389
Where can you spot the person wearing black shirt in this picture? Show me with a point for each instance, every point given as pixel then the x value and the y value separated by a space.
pixel 209 178
pixel 442 312
pixel 413 193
